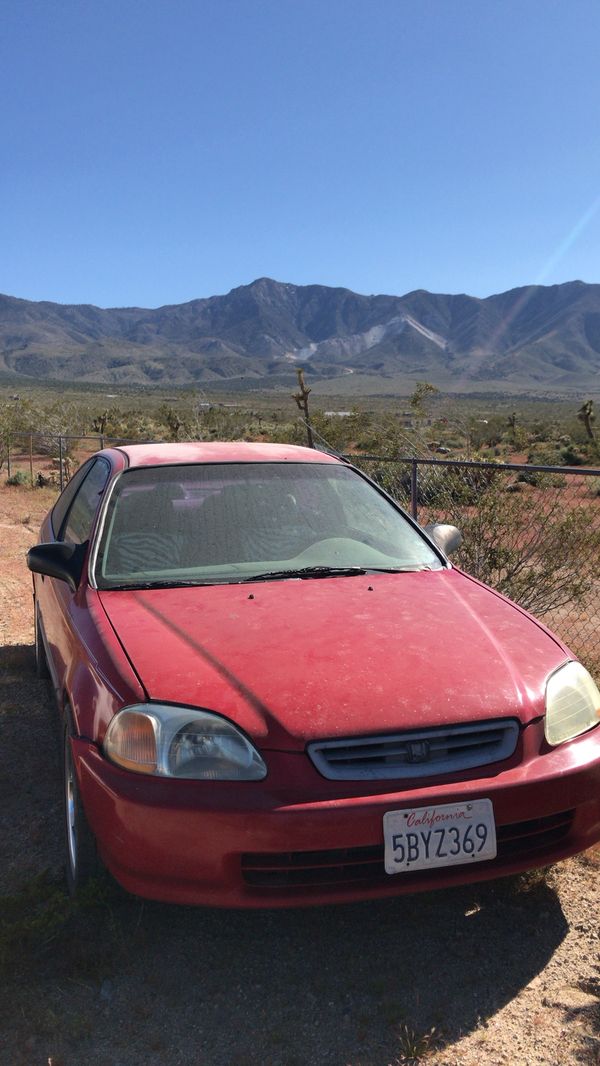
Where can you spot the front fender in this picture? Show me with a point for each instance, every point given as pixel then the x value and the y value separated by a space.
pixel 99 680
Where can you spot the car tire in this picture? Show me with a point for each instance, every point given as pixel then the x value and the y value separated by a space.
pixel 41 662
pixel 81 855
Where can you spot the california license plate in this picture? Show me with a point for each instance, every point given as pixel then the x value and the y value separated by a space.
pixel 452 834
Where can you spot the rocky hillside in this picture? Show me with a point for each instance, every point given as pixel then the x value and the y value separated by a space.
pixel 534 337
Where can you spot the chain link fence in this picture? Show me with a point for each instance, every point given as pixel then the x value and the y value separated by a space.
pixel 532 532
pixel 40 459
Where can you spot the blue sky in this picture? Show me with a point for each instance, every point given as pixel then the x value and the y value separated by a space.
pixel 154 151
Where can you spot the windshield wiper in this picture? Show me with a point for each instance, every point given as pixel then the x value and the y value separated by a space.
pixel 411 568
pixel 308 571
pixel 334 571
pixel 271 575
pixel 135 586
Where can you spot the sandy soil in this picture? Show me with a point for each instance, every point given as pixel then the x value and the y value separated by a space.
pixel 507 972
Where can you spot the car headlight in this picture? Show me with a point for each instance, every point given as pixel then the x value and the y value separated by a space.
pixel 572 703
pixel 166 741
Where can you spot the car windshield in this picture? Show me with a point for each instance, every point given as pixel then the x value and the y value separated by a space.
pixel 207 524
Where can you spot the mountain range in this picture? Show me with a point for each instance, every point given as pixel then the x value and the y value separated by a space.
pixel 536 338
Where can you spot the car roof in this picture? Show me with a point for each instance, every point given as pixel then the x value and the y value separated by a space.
pixel 221 452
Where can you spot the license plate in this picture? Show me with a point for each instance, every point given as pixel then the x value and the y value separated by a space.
pixel 421 838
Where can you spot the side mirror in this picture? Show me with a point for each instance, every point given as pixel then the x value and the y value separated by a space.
pixel 448 538
pixel 58 559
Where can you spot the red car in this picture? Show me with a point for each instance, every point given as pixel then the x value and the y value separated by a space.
pixel 276 690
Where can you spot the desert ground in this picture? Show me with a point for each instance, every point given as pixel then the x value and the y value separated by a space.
pixel 505 972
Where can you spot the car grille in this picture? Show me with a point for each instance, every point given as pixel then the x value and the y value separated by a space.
pixel 364 865
pixel 420 753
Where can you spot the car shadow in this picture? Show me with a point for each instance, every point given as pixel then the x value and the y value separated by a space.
pixel 29 777
pixel 341 984
pixel 350 985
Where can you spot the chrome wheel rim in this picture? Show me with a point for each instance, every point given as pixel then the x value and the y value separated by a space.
pixel 70 807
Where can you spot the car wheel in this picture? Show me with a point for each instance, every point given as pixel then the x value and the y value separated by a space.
pixel 41 662
pixel 81 855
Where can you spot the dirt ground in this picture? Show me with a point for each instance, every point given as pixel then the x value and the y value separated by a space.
pixel 507 972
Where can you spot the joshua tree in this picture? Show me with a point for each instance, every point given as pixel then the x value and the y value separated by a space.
pixel 586 415
pixel 99 423
pixel 301 399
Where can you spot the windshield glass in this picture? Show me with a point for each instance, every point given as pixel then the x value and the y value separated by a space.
pixel 237 521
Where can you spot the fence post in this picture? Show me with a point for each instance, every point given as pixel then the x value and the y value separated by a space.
pixel 60 464
pixel 102 441
pixel 8 457
pixel 414 488
pixel 31 458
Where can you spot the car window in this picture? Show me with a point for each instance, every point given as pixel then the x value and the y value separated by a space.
pixel 78 525
pixel 66 497
pixel 229 522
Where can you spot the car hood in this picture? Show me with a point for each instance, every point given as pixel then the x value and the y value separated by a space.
pixel 297 660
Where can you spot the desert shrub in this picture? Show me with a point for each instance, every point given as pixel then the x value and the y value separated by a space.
pixel 292 433
pixel 545 454
pixel 570 456
pixel 438 487
pixel 556 455
pixel 59 419
pixel 453 485
pixel 18 478
pixel 541 480
pixel 536 552
pixel 525 543
pixel 434 486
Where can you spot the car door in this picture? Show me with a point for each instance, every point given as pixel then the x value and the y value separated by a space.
pixel 60 608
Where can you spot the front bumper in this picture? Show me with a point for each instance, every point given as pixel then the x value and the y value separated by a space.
pixel 263 844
